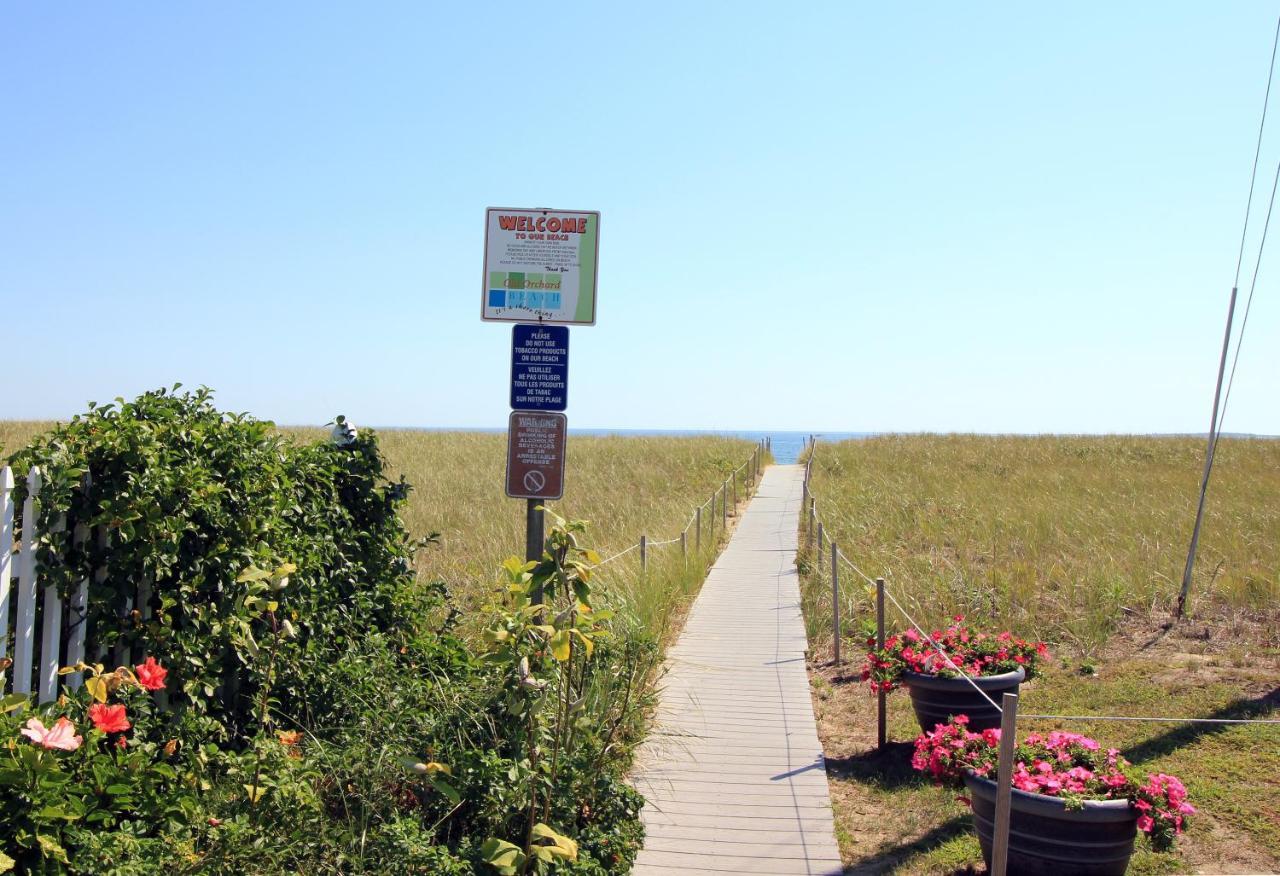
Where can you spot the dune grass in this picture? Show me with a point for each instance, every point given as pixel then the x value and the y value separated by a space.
pixel 624 486
pixel 1062 537
pixel 1081 542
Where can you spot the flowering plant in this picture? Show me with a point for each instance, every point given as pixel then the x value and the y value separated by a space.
pixel 975 653
pixel 1072 767
pixel 91 760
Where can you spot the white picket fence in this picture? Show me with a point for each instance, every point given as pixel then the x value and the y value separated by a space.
pixel 18 575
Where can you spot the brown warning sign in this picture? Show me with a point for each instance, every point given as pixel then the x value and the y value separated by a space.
pixel 535 455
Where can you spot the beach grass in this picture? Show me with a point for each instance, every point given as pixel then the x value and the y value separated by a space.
pixel 1081 542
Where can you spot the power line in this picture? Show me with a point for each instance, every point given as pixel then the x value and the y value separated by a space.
pixel 1219 414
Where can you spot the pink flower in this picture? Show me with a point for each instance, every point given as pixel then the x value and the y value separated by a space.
pixel 1145 823
pixel 61 736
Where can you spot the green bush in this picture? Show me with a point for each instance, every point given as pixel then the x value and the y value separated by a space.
pixel 320 717
pixel 191 497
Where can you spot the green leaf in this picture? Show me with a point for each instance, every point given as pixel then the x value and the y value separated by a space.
pixel 97 687
pixel 53 813
pixel 586 641
pixel 51 849
pixel 6 863
pixel 550 846
pixel 255 792
pixel 503 856
pixel 560 645
pixel 12 702
pixel 118 789
pixel 253 573
pixel 447 790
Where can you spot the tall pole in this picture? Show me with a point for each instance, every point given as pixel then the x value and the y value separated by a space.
pixel 882 732
pixel 1208 462
pixel 835 602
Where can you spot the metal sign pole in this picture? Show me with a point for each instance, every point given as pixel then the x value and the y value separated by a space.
pixel 533 539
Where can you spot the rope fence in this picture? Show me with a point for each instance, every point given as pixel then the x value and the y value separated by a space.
pixel 748 473
pixel 1008 708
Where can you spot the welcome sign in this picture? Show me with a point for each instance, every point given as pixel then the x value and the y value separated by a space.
pixel 540 266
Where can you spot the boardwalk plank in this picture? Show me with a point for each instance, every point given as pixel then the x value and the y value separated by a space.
pixel 733 773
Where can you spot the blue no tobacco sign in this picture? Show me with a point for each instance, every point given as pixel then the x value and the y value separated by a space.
pixel 539 367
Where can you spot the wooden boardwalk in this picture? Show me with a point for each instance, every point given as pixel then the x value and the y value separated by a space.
pixel 733 771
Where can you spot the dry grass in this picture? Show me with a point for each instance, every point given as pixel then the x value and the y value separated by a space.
pixel 1079 541
pixel 1061 537
pixel 624 486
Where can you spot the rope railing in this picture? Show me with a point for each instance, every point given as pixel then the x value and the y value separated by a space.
pixel 1008 711
pixel 616 556
pixel 938 648
pixel 817 528
pixel 1160 720
pixel 750 472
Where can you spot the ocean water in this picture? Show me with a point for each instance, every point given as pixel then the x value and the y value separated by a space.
pixel 786 445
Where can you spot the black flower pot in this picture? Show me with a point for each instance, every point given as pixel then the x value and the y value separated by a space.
pixel 1045 837
pixel 937 699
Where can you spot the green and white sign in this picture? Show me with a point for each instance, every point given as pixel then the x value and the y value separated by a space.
pixel 540 266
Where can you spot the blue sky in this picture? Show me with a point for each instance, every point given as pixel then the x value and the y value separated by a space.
pixel 814 216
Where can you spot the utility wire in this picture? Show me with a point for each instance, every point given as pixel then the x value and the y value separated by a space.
pixel 1219 414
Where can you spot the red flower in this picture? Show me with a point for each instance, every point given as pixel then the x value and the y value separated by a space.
pixel 151 674
pixel 121 742
pixel 109 719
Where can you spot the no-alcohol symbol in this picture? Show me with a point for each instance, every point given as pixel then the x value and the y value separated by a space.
pixel 534 481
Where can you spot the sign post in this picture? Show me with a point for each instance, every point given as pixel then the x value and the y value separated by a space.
pixel 540 269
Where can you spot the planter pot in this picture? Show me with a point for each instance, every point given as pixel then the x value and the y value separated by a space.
pixel 937 699
pixel 1045 837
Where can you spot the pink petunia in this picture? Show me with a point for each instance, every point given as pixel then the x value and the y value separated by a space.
pixel 61 736
pixel 1145 823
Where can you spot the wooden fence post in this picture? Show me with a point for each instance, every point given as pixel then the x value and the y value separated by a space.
pixel 819 565
pixel 6 559
pixel 835 601
pixel 684 547
pixel 697 544
pixel 734 477
pixel 24 633
pixel 813 505
pixel 1004 784
pixel 881 722
pixel 644 554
